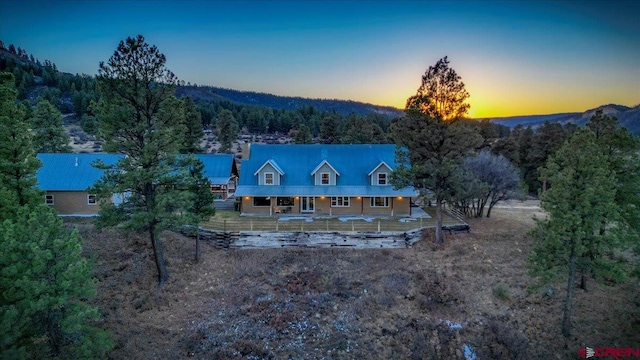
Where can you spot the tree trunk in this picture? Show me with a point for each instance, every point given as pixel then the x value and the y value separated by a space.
pixel 439 222
pixel 566 316
pixel 583 281
pixel 163 275
pixel 489 210
pixel 197 243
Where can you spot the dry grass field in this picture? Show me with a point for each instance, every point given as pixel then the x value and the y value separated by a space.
pixel 421 303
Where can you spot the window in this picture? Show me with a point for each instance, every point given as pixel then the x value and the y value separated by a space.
pixel 48 199
pixel 340 201
pixel 284 201
pixel 382 178
pixel 261 201
pixel 324 178
pixel 91 199
pixel 268 178
pixel 379 202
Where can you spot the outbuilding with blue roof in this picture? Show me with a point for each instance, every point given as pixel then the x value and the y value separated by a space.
pixel 65 178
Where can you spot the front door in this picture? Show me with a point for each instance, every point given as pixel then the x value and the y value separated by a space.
pixel 308 204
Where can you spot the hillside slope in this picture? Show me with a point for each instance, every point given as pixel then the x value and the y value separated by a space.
pixel 628 117
pixel 343 107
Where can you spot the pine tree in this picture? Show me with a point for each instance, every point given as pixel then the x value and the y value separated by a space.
pixel 138 117
pixel 303 136
pixel 18 164
pixel 201 208
pixel 227 130
pixel 193 127
pixel 442 95
pixel 580 200
pixel 431 139
pixel 49 135
pixel 44 283
pixel 330 128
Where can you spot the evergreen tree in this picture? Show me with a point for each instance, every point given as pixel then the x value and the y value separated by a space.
pixel 138 117
pixel 18 164
pixel 442 95
pixel 547 139
pixel 622 151
pixel 49 135
pixel 580 200
pixel 330 128
pixel 44 283
pixel 356 130
pixel 193 126
pixel 227 130
pixel 201 208
pixel 431 139
pixel 303 136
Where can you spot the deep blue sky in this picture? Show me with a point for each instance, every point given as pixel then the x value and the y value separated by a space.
pixel 514 57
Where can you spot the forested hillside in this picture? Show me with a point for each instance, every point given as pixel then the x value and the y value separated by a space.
pixel 254 113
pixel 342 107
pixel 628 117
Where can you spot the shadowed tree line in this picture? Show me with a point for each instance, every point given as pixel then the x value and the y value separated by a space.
pixel 44 280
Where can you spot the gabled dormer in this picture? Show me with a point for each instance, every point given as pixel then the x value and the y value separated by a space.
pixel 269 173
pixel 380 174
pixel 324 174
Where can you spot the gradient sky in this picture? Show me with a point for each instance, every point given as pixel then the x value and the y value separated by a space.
pixel 515 58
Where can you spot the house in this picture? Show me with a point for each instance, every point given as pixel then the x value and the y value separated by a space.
pixel 66 177
pixel 321 180
pixel 222 171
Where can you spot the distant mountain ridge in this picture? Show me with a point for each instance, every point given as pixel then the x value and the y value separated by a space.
pixel 628 117
pixel 343 107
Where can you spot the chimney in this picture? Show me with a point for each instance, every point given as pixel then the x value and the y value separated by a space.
pixel 76 161
pixel 246 150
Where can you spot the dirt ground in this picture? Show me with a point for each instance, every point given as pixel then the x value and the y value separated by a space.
pixel 469 296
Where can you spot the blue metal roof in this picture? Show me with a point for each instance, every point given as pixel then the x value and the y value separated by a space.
pixel 73 172
pixel 70 172
pixel 352 162
pixel 217 167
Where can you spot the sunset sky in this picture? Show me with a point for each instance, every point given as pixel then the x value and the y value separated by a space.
pixel 516 58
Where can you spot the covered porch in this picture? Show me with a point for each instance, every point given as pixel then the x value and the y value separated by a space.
pixel 325 206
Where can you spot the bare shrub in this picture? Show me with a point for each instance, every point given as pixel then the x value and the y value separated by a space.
pixel 396 283
pixel 252 263
pixel 460 249
pixel 501 341
pixel 501 291
pixel 437 288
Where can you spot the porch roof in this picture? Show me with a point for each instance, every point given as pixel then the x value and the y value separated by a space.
pixel 365 191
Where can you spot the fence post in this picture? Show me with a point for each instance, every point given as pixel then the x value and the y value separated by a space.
pixel 421 221
pixel 224 226
pixel 276 224
pixel 251 224
pixel 327 224
pixel 352 229
pixel 378 225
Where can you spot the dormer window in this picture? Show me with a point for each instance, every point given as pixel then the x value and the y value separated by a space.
pixel 382 178
pixel 268 178
pixel 325 179
pixel 325 174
